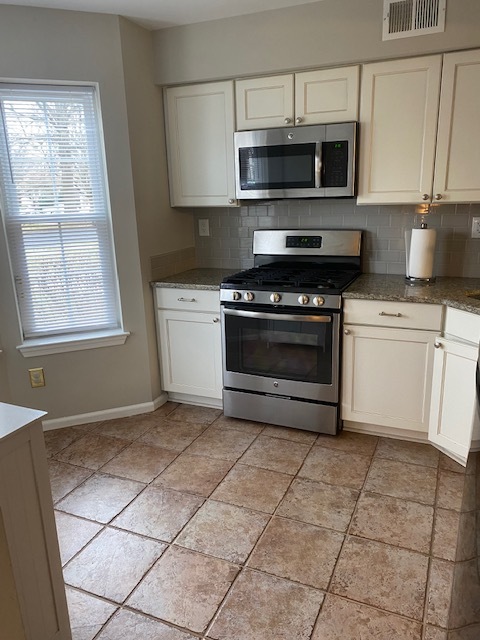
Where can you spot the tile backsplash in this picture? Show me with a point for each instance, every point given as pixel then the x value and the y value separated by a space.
pixel 229 245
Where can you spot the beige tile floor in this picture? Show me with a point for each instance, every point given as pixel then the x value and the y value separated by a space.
pixel 186 524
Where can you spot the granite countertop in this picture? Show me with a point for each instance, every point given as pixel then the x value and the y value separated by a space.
pixel 447 291
pixel 369 286
pixel 206 279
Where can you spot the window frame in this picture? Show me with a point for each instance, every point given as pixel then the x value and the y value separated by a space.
pixel 71 340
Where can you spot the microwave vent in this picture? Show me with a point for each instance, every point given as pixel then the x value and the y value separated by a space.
pixel 406 18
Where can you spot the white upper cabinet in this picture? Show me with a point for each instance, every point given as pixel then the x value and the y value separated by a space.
pixel 199 129
pixel 263 103
pixel 310 97
pixel 457 168
pixel 329 95
pixel 408 155
pixel 398 127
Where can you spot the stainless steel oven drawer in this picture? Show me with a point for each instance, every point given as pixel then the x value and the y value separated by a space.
pixel 284 412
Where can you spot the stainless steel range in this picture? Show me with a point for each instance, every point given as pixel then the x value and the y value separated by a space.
pixel 281 328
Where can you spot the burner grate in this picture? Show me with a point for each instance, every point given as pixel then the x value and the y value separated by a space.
pixel 299 276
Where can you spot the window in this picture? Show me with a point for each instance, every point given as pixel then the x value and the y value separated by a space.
pixel 56 212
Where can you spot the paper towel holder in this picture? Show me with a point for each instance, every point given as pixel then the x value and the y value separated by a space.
pixel 411 280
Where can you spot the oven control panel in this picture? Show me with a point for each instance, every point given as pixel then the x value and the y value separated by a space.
pixel 303 242
pixel 281 299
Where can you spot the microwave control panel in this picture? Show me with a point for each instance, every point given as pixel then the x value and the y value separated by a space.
pixel 335 163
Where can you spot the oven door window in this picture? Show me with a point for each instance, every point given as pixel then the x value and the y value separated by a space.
pixel 281 348
pixel 290 166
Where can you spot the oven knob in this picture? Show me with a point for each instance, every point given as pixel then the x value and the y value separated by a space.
pixel 236 295
pixel 275 297
pixel 303 299
pixel 249 296
pixel 318 301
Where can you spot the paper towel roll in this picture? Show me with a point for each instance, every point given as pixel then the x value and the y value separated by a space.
pixel 422 253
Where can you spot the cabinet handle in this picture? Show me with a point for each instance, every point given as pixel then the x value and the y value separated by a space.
pixel 347 332
pixel 231 201
pixel 390 315
pixel 216 319
pixel 438 196
pixel 186 299
pixel 287 120
pixel 437 345
pixel 425 196
pixel 298 120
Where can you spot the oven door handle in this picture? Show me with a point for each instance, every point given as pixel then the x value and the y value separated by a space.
pixel 275 316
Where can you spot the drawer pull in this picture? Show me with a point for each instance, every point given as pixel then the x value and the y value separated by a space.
pixel 186 299
pixel 390 315
pixel 437 345
pixel 216 319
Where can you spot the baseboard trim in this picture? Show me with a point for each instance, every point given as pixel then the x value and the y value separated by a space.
pixel 201 401
pixel 105 414
pixel 387 432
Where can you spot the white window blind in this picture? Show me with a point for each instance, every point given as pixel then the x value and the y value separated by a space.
pixel 55 210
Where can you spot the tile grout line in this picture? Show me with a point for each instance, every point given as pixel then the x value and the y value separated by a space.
pixel 168 544
pixel 346 533
pixel 245 564
pixel 105 525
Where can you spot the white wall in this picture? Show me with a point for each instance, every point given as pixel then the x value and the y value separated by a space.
pixel 71 46
pixel 319 34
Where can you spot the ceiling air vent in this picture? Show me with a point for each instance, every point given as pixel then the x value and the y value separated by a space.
pixel 406 18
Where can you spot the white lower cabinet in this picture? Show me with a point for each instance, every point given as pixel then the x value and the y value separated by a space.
pixel 32 591
pixel 388 352
pixel 189 337
pixel 453 415
pixel 386 377
pixel 407 374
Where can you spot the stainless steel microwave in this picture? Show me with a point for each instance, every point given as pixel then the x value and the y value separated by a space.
pixel 316 161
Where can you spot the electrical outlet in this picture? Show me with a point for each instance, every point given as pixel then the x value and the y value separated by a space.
pixel 475 227
pixel 203 227
pixel 37 377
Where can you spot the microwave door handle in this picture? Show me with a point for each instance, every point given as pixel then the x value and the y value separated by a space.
pixel 318 165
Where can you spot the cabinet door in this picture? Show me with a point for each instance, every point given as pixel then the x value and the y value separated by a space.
pixel 398 126
pixel 453 398
pixel 327 95
pixel 32 592
pixel 386 376
pixel 264 102
pixel 457 175
pixel 190 353
pixel 199 129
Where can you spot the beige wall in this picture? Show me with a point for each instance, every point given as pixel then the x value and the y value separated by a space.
pixel 160 228
pixel 70 46
pixel 4 383
pixel 320 34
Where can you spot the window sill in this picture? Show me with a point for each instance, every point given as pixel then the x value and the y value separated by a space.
pixel 75 342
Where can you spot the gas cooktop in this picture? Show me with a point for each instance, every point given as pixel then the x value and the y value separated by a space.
pixel 296 268
pixel 305 276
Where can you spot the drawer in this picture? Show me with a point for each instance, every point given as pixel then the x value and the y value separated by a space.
pixel 404 315
pixel 187 299
pixel 463 325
